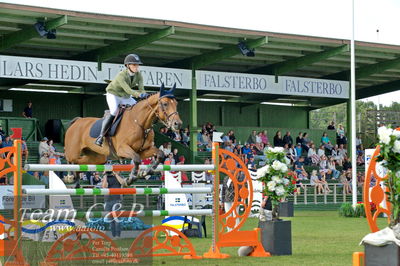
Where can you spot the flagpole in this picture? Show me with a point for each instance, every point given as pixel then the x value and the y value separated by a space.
pixel 353 110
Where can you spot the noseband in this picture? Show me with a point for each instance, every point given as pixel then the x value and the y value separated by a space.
pixel 167 121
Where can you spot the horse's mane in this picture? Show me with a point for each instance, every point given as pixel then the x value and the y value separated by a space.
pixel 150 94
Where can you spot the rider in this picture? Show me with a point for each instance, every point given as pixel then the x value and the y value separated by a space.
pixel 121 90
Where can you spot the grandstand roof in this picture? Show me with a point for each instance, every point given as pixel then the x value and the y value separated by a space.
pixel 108 38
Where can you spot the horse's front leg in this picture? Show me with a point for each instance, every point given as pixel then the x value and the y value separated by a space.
pixel 128 152
pixel 153 151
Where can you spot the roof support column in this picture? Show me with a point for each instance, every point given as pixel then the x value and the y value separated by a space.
pixel 348 125
pixel 193 128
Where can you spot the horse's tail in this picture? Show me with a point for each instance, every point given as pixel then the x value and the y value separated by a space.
pixel 74 120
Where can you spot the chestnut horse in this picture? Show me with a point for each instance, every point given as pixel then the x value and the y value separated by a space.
pixel 134 138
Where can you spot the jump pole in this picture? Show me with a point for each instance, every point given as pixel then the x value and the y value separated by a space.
pixel 117 168
pixel 116 191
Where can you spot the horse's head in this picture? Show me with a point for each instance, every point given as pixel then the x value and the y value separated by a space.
pixel 167 108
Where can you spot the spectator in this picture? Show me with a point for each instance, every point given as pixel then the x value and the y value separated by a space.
pixel 346 165
pixel 7 142
pixel 24 150
pixel 360 155
pixel 331 126
pixel 252 137
pixel 345 181
pixel 95 179
pixel 232 137
pixel 299 169
pixel 305 144
pixel 314 181
pixel 43 146
pixel 246 149
pixel 341 138
pixel 323 166
pixel 113 202
pixel 170 159
pixel 259 140
pixel 264 137
pixel 209 176
pixel 292 154
pixel 342 151
pixel 175 154
pixel 2 133
pixel 185 136
pixel 336 156
pixel 358 141
pixel 165 148
pixel 321 151
pixel 287 139
pixel 298 149
pixel 326 142
pixel 278 141
pixel 322 180
pixel 27 113
pixel 312 155
pixel 177 136
pixel 299 138
pixel 332 167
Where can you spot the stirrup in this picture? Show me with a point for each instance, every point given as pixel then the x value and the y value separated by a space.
pixel 99 141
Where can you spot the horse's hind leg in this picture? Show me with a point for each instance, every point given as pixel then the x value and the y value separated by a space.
pixel 153 151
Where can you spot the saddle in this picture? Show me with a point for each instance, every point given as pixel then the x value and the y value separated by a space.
pixel 96 127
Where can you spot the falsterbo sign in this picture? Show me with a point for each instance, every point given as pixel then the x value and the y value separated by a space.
pixel 87 72
pixel 237 82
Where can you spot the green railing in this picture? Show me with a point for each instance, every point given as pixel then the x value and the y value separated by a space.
pixel 30 126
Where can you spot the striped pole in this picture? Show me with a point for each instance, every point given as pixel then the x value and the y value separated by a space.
pixel 63 214
pixel 117 168
pixel 116 191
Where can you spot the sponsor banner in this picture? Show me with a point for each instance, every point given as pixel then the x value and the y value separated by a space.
pixel 31 201
pixel 250 83
pixel 86 72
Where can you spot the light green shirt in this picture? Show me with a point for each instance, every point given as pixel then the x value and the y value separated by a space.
pixel 124 84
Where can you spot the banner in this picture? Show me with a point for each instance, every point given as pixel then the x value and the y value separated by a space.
pixel 31 201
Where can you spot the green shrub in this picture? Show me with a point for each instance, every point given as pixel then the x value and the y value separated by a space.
pixel 346 210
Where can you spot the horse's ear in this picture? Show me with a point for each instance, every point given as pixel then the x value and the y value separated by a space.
pixel 173 89
pixel 162 90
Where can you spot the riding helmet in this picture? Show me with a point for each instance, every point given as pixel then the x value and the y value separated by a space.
pixel 132 59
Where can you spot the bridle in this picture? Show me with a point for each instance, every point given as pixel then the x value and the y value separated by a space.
pixel 167 121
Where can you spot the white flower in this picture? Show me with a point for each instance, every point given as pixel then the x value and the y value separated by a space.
pixel 287 161
pixel 284 168
pixel 285 181
pixel 398 174
pixel 276 179
pixel 277 165
pixel 271 185
pixel 396 146
pixel 396 133
pixel 263 171
pixel 384 134
pixel 279 190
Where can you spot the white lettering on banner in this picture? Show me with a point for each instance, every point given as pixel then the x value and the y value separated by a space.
pixel 87 72
pixel 79 71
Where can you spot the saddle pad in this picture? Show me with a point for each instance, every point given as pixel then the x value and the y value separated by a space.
pixel 96 127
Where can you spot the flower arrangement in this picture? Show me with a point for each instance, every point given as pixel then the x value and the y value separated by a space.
pixel 389 141
pixel 278 182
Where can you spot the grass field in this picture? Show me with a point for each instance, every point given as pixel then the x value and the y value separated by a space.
pixel 318 238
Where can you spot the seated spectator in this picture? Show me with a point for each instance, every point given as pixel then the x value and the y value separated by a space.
pixel 321 151
pixel 314 181
pixel 2 134
pixel 322 180
pixel 232 137
pixel 252 138
pixel 299 186
pixel 292 154
pixel 287 139
pixel 170 159
pixel 246 149
pixel 7 142
pixel 43 146
pixel 251 164
pixel 299 169
pixel 175 155
pixel 342 151
pixel 185 136
pixel 360 179
pixel 312 155
pixel 209 175
pixel 345 180
pixel 346 165
pixel 278 140
pixel 299 138
pixel 336 156
pixel 305 144
pixel 24 150
pixel 177 136
pixel 298 149
pixel 332 167
pixel 95 179
pixel 259 143
pixel 323 166
pixel 264 137
pixel 165 148
pixel 326 141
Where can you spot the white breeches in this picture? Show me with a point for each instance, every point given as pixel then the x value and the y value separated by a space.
pixel 113 101
pixel 227 207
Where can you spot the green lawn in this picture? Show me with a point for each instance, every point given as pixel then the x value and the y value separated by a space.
pixel 318 238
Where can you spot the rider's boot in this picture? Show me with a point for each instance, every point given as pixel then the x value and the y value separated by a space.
pixel 104 127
